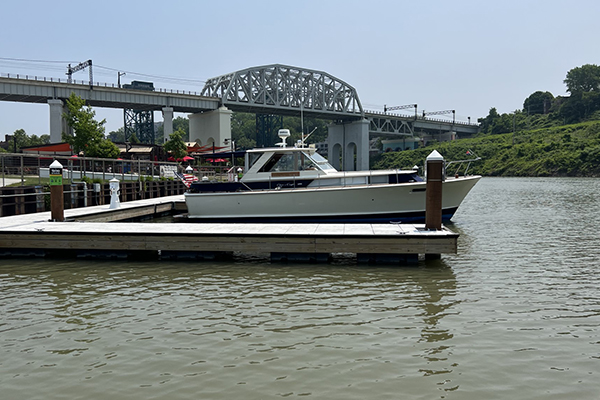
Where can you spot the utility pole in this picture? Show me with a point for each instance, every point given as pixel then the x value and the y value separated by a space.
pixel 386 108
pixel 453 112
pixel 79 67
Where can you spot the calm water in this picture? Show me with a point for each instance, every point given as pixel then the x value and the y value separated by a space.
pixel 514 315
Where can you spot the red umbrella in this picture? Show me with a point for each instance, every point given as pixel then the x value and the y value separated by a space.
pixel 187 158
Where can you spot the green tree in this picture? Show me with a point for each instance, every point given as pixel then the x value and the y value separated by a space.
pixel 106 149
pixel 244 143
pixel 21 140
pixel 182 124
pixel 89 133
pixel 42 139
pixel 496 124
pixel 538 103
pixel 583 79
pixel 579 106
pixel 487 122
pixel 175 145
pixel 117 136
pixel 243 130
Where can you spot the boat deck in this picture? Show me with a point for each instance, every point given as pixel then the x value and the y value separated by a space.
pixel 86 232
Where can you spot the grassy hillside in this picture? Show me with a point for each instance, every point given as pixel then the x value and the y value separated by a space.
pixel 569 150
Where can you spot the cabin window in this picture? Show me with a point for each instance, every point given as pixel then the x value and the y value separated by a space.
pixel 289 162
pixel 322 162
pixel 280 162
pixel 252 158
pixel 306 163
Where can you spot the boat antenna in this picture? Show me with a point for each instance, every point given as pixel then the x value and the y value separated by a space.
pixel 306 137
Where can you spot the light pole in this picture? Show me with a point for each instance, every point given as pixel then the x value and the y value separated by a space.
pixel 120 74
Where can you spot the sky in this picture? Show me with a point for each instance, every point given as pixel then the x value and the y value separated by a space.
pixel 461 55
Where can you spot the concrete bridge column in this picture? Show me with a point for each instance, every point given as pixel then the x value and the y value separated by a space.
pixel 167 122
pixel 351 142
pixel 57 122
pixel 211 127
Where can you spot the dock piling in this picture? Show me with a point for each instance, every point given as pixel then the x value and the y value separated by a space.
pixel 433 200
pixel 57 204
pixel 433 203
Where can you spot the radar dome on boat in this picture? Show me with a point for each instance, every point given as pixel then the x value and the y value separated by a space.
pixel 283 135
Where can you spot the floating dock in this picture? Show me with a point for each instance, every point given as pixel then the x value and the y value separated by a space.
pixel 96 232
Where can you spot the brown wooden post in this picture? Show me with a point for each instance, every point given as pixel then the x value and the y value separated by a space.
pixel 433 202
pixel 57 204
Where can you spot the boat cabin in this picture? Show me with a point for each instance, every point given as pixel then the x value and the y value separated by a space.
pixel 271 163
pixel 299 167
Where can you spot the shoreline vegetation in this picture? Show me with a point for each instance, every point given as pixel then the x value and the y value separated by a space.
pixel 551 136
pixel 560 151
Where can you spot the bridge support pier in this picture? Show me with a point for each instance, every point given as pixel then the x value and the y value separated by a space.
pixel 167 113
pixel 211 127
pixel 57 122
pixel 348 145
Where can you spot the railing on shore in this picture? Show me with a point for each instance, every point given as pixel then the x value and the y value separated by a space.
pixel 24 166
pixel 140 179
pixel 32 199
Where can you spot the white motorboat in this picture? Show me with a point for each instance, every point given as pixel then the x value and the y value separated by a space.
pixel 287 184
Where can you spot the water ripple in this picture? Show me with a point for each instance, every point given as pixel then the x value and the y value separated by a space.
pixel 515 314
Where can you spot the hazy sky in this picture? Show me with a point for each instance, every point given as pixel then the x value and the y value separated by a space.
pixel 463 55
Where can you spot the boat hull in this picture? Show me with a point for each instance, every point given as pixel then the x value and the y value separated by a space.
pixel 403 202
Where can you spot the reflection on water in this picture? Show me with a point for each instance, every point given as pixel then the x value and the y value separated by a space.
pixel 515 314
pixel 275 329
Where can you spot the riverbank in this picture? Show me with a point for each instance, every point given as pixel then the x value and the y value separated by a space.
pixel 564 151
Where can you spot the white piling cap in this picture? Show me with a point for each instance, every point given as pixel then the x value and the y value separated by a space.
pixel 56 164
pixel 435 156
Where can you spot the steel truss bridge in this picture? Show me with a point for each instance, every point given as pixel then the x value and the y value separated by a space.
pixel 271 89
pixel 285 90
pixel 281 89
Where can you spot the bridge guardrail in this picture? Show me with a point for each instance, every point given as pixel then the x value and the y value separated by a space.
pixel 419 118
pixel 87 84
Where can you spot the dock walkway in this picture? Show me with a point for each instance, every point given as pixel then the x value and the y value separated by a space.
pixel 86 232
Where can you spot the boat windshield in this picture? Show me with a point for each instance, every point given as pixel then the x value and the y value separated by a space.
pixel 289 162
pixel 321 162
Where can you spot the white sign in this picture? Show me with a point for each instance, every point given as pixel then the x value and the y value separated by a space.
pixel 168 171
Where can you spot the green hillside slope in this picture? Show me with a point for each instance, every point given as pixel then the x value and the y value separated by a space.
pixel 569 150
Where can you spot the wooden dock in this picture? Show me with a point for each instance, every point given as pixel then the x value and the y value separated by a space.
pixel 94 232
